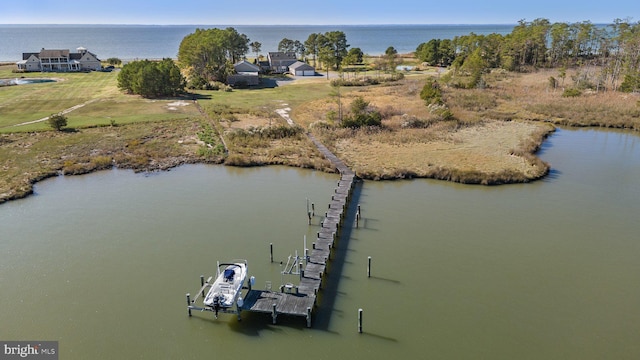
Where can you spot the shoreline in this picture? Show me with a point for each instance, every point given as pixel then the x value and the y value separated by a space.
pixel 119 158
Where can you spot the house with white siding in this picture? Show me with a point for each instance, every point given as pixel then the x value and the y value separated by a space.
pixel 59 60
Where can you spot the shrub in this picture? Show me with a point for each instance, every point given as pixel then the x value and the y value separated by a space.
pixel 114 61
pixel 412 122
pixel 441 111
pixel 361 115
pixel 57 121
pixel 571 92
pixel 630 83
pixel 431 92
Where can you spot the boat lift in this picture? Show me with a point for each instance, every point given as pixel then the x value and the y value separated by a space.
pixel 205 285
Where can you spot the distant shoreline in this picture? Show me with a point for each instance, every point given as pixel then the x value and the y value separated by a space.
pixel 263 25
pixel 161 41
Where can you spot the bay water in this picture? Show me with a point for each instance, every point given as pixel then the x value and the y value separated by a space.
pixel 129 42
pixel 547 270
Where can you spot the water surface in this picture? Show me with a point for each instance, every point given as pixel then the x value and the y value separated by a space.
pixel 546 270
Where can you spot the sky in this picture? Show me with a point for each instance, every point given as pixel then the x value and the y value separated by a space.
pixel 323 12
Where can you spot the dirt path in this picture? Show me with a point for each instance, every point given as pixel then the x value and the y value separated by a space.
pixel 63 112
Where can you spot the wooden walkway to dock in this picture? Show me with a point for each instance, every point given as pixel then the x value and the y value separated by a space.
pixel 302 302
pixel 301 299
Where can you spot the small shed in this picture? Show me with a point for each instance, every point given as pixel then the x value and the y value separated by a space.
pixel 300 68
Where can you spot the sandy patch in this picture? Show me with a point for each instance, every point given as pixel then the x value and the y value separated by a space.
pixel 174 105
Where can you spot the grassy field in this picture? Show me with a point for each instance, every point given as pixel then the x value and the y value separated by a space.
pixel 105 104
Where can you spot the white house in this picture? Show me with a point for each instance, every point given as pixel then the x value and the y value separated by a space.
pixel 59 60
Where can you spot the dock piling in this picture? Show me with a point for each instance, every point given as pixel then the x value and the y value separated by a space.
pixel 202 283
pixel 360 321
pixel 271 251
pixel 274 314
pixel 369 268
pixel 189 303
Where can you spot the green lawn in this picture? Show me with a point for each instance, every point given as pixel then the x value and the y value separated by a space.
pixel 107 104
pixel 251 100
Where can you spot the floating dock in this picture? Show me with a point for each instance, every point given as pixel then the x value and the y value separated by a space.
pixel 300 300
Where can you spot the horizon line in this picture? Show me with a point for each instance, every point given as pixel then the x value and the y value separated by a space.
pixel 362 24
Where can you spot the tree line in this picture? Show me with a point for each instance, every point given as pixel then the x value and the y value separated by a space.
pixel 606 56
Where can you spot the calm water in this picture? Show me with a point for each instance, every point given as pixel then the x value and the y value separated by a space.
pixel 154 42
pixel 547 270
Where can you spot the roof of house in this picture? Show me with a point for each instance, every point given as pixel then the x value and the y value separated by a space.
pixel 244 66
pixel 44 53
pixel 279 55
pixel 54 53
pixel 26 56
pixel 299 65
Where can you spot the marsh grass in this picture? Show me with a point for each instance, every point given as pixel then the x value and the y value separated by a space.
pixel 415 142
pixel 26 158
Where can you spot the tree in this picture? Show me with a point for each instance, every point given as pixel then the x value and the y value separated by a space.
pixel 299 48
pixel 312 46
pixel 436 52
pixel 57 121
pixel 474 65
pixel 429 52
pixel 208 53
pixel 256 47
pixel 333 48
pixel 114 61
pixel 151 78
pixel 391 54
pixel 354 56
pixel 237 44
pixel 286 45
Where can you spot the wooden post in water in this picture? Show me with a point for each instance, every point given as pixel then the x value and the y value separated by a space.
pixel 189 303
pixel 301 271
pixel 369 268
pixel 313 209
pixel 360 321
pixel 308 317
pixel 202 284
pixel 274 314
pixel 271 251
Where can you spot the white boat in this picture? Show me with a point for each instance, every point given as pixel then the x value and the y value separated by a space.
pixel 227 287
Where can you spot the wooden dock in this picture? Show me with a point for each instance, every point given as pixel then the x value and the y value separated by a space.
pixel 301 299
